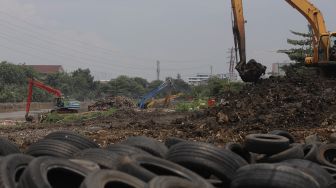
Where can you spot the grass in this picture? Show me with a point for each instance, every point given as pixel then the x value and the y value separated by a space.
pixel 191 106
pixel 77 118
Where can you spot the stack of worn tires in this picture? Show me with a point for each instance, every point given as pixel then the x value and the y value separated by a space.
pixel 68 160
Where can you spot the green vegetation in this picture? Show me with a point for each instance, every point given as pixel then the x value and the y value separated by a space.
pixel 191 106
pixel 303 47
pixel 77 118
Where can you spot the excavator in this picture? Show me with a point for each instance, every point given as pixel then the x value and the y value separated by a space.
pixel 60 104
pixel 324 42
pixel 148 100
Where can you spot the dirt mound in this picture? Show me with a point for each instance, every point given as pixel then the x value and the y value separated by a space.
pixel 117 102
pixel 293 101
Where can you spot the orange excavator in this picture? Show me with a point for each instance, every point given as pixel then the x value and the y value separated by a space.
pixel 324 42
pixel 60 106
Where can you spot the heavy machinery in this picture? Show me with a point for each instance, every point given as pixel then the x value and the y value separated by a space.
pixel 60 104
pixel 163 102
pixel 148 101
pixel 324 42
pixel 251 71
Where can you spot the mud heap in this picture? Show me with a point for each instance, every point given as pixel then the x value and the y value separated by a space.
pixel 297 100
pixel 118 102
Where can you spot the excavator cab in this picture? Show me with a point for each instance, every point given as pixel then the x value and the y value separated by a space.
pixel 332 47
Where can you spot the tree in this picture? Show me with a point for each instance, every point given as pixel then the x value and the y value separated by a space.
pixel 303 46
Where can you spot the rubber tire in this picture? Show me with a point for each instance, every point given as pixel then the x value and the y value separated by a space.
pixel 332 138
pixel 123 149
pixel 111 178
pixel 315 170
pixel 8 147
pixel 50 147
pixel 266 143
pixel 53 172
pixel 239 150
pixel 11 168
pixel 170 141
pixel 285 134
pixel 170 182
pixel 325 151
pixel 147 167
pixel 202 157
pixel 86 164
pixel 147 144
pixel 294 152
pixel 272 175
pixel 104 158
pixel 73 138
pixel 310 151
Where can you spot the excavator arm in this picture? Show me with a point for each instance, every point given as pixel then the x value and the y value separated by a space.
pixel 40 85
pixel 316 20
pixel 251 71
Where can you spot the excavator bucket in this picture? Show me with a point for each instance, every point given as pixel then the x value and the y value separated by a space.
pixel 251 71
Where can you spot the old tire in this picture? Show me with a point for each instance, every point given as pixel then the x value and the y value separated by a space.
pixel 7 147
pixel 239 150
pixel 11 168
pixel 147 144
pixel 332 138
pixel 170 141
pixel 311 168
pixel 73 138
pixel 147 167
pixel 123 149
pixel 310 151
pixel 170 182
pixel 272 175
pixel 266 143
pixel 284 134
pixel 50 147
pixel 294 152
pixel 326 155
pixel 53 172
pixel 110 178
pixel 104 158
pixel 206 159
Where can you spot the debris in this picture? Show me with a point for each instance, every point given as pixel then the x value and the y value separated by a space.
pixel 117 102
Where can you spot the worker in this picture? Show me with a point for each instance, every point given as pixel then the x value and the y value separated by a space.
pixel 333 52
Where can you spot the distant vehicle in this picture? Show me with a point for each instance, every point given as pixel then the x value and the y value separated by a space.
pixel 61 105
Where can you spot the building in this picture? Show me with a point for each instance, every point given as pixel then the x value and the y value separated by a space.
pixel 200 79
pixel 277 69
pixel 47 69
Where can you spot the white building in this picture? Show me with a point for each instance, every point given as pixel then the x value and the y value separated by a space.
pixel 277 68
pixel 203 78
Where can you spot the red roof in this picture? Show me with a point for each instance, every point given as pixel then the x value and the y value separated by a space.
pixel 47 69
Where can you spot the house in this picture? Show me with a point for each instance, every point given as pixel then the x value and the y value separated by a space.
pixel 47 69
pixel 277 68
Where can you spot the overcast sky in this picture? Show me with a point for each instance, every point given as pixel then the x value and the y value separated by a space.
pixel 126 37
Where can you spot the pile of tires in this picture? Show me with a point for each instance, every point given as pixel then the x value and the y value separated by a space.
pixel 68 160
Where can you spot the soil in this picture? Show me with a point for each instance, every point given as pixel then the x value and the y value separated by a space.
pixel 303 104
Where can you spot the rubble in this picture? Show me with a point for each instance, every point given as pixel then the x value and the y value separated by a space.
pixel 117 102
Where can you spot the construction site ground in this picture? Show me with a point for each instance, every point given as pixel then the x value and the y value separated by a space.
pixel 300 103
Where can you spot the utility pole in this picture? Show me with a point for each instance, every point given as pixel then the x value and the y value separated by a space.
pixel 232 63
pixel 211 70
pixel 158 70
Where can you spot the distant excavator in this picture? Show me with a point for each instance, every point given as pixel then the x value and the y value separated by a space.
pixel 60 104
pixel 324 42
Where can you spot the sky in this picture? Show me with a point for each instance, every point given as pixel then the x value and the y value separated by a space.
pixel 127 37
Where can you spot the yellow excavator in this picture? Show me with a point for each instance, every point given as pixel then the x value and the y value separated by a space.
pixel 324 42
